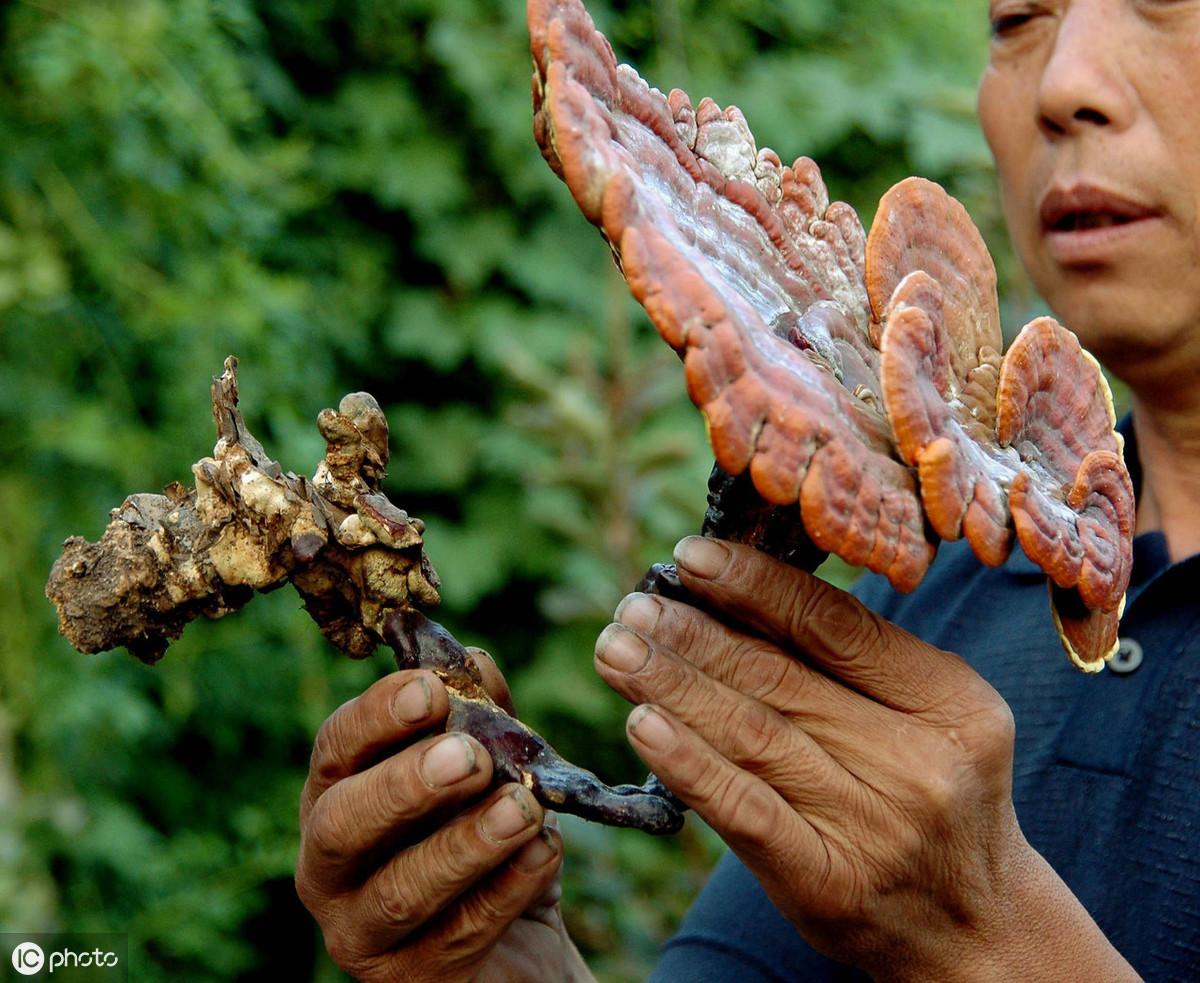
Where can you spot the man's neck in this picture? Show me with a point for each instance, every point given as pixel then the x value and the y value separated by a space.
pixel 1168 442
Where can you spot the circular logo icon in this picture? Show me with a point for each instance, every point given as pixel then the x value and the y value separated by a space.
pixel 28 958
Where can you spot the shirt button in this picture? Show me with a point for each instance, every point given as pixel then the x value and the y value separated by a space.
pixel 1129 656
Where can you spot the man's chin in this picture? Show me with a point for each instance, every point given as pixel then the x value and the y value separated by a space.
pixel 1118 321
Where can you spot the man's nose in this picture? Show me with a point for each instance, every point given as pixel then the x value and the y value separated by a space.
pixel 1084 85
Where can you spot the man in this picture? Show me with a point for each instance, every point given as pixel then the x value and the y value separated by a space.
pixel 864 777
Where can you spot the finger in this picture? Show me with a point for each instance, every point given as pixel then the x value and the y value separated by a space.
pixel 829 626
pixel 360 815
pixel 544 908
pixel 758 668
pixel 413 886
pixel 493 679
pixel 799 858
pixel 743 730
pixel 749 815
pixel 837 718
pixel 861 735
pixel 463 934
pixel 390 712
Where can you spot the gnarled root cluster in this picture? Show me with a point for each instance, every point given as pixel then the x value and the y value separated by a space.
pixel 356 559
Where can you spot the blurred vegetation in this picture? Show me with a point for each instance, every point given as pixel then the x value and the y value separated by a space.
pixel 345 193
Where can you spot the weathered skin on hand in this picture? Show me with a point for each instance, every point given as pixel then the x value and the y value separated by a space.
pixel 356 559
pixel 863 776
pixel 858 377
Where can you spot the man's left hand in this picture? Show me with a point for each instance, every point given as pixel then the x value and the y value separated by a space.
pixel 863 776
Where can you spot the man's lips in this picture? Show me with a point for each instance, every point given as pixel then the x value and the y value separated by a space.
pixel 1084 224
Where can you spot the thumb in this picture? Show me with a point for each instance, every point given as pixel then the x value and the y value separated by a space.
pixel 493 679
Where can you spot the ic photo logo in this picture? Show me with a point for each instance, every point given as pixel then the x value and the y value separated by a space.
pixel 96 956
pixel 28 958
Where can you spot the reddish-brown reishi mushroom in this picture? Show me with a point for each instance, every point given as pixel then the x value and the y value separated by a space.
pixel 859 377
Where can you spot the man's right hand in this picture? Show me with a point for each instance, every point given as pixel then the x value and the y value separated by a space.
pixel 412 868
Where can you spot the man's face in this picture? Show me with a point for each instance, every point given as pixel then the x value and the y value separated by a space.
pixel 1092 110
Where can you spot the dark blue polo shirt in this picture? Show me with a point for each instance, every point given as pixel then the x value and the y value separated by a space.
pixel 1107 775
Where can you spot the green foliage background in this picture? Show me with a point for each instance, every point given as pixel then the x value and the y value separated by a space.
pixel 346 194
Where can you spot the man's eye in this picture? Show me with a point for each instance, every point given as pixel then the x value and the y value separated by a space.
pixel 1006 24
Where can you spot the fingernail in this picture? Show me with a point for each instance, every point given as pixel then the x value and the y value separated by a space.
pixel 651 728
pixel 449 761
pixel 638 611
pixel 506 818
pixel 413 702
pixel 621 649
pixel 702 556
pixel 534 855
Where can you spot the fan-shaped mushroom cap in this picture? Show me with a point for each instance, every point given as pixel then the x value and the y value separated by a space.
pixel 1072 502
pixel 835 368
pixel 941 397
pixel 725 247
